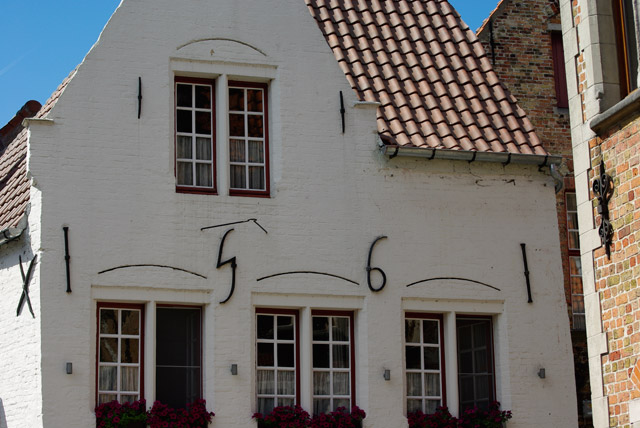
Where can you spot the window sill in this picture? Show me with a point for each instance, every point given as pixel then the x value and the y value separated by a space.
pixel 250 193
pixel 196 191
pixel 623 110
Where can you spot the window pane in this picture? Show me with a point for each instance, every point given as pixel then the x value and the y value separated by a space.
pixel 177 386
pixel 414 384
pixel 431 406
pixel 431 358
pixel 572 220
pixel 108 350
pixel 203 122
pixel 321 383
pixel 256 153
pixel 107 378
pixel 480 358
pixel 341 329
pixel 413 357
pixel 432 384
pixel 265 381
pixel 575 265
pixel 254 100
pixel 286 382
pixel 255 126
pixel 238 177
pixel 236 150
pixel 203 148
pixel 320 328
pixel 285 328
pixel 321 356
pixel 265 326
pixel 341 356
pixel 129 350
pixel 178 337
pixel 574 240
pixel 184 147
pixel 185 173
pixel 203 96
pixel 412 331
pixel 256 177
pixel 431 331
pixel 184 121
pixel 129 379
pixel 266 355
pixel 285 401
pixel 414 405
pixel 265 405
pixel 183 95
pixel 571 202
pixel 341 402
pixel 204 176
pixel 341 383
pixel 321 405
pixel 236 99
pixel 465 362
pixel 236 125
pixel 128 398
pixel 106 398
pixel 108 321
pixel 578 304
pixel 286 356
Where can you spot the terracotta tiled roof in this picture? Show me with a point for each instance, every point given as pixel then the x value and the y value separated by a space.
pixel 428 71
pixel 14 185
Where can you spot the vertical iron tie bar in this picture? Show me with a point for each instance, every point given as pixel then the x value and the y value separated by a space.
pixel 139 96
pixel 526 272
pixel 342 110
pixel 67 257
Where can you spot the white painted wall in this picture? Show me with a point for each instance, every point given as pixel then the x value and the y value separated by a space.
pixel 20 336
pixel 109 177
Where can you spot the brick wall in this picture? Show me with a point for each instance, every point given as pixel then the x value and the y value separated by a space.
pixel 616 277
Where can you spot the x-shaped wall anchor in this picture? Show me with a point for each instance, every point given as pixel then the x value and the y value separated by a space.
pixel 25 286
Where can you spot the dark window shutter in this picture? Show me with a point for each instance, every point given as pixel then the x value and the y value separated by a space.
pixel 558 70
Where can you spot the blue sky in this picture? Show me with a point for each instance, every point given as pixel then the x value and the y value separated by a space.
pixel 41 41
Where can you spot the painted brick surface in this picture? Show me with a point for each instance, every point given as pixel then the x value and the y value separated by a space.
pixel 518 39
pixel 109 177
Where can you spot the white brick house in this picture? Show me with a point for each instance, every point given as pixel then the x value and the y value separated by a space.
pixel 239 119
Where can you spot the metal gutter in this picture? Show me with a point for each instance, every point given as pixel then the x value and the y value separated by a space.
pixel 12 233
pixel 470 156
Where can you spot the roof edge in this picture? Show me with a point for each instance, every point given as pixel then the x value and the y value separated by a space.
pixel 471 156
pixel 12 233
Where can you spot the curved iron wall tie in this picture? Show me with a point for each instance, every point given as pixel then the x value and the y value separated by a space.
pixel 369 268
pixel 234 265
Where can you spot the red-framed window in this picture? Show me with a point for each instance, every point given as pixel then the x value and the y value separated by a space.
pixel 476 373
pixel 559 74
pixel 178 354
pixel 575 264
pixel 333 365
pixel 626 41
pixel 248 139
pixel 195 148
pixel 278 358
pixel 120 352
pixel 424 362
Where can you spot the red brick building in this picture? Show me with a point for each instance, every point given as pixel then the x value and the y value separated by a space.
pixel 601 40
pixel 524 43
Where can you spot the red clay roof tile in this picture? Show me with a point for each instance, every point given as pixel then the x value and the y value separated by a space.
pixel 402 53
pixel 14 185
